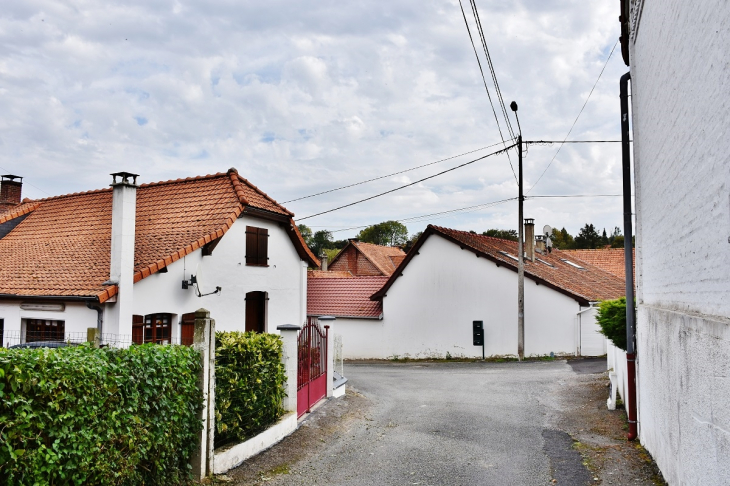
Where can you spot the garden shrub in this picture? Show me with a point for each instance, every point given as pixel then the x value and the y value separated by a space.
pixel 80 415
pixel 611 318
pixel 249 389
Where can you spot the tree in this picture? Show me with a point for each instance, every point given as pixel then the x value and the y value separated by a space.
pixel 331 253
pixel 387 233
pixel 604 239
pixel 588 238
pixel 562 240
pixel 618 241
pixel 511 234
pixel 320 240
pixel 611 317
pixel 306 232
pixel 412 241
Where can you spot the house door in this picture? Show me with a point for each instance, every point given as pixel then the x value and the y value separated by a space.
pixel 256 311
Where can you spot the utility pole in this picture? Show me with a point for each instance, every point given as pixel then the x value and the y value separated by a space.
pixel 520 250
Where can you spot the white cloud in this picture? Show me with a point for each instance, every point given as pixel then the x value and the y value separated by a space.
pixel 306 97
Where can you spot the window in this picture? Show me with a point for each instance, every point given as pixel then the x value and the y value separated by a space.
pixel 257 245
pixel 152 328
pixel 2 332
pixel 44 330
pixel 509 256
pixel 546 263
pixel 571 263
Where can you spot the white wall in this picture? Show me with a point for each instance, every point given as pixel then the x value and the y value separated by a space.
pixel 428 312
pixel 162 292
pixel 681 115
pixel 592 342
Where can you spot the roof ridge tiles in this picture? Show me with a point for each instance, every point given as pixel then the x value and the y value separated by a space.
pixel 262 193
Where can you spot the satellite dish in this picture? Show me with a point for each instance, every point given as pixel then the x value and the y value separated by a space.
pixel 547 230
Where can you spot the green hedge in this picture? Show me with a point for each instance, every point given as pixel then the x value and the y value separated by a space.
pixel 611 317
pixel 249 384
pixel 80 415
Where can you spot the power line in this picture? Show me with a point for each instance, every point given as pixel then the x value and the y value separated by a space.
pixel 550 142
pixel 408 185
pixel 414 219
pixel 496 118
pixel 580 195
pixel 28 183
pixel 390 175
pixel 576 118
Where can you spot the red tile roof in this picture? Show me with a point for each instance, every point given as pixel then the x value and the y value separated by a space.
pixel 63 247
pixel 585 285
pixel 344 297
pixel 383 257
pixel 329 274
pixel 609 259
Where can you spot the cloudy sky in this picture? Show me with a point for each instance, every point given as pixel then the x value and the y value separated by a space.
pixel 303 97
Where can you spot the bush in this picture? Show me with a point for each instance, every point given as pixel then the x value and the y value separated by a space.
pixel 249 384
pixel 80 415
pixel 611 317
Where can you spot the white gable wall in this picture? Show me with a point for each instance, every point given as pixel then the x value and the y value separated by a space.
pixel 428 311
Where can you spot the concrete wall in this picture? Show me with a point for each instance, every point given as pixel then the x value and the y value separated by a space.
pixel 284 280
pixel 681 113
pixel 428 312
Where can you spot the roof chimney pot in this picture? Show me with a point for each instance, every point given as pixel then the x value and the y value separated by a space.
pixel 10 190
pixel 530 238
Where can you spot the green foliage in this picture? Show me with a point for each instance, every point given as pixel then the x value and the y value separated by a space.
pixel 588 238
pixel 80 415
pixel 320 240
pixel 249 384
pixel 412 241
pixel 511 235
pixel 331 253
pixel 611 317
pixel 562 240
pixel 618 242
pixel 387 233
pixel 306 232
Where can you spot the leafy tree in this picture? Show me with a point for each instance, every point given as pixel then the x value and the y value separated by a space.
pixel 331 253
pixel 511 234
pixel 387 233
pixel 562 239
pixel 604 239
pixel 588 238
pixel 618 241
pixel 306 232
pixel 412 241
pixel 320 240
pixel 611 317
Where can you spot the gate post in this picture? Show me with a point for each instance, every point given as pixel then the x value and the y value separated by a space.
pixel 290 359
pixel 204 342
pixel 326 321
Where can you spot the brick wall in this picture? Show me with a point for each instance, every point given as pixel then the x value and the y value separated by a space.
pixel 354 262
pixel 10 194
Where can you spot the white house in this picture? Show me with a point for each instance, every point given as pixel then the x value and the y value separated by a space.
pixel 450 279
pixel 134 261
pixel 680 79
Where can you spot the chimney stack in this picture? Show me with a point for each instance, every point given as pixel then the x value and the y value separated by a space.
pixel 323 258
pixel 10 190
pixel 530 239
pixel 121 268
pixel 540 243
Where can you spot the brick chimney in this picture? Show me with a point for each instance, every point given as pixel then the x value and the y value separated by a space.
pixel 540 243
pixel 530 239
pixel 10 189
pixel 121 268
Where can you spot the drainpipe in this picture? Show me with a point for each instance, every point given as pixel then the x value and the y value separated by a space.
pixel 99 317
pixel 628 258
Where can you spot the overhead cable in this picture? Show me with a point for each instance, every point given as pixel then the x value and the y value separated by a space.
pixel 390 175
pixel 408 185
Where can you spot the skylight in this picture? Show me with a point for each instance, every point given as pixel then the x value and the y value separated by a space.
pixel 546 263
pixel 509 256
pixel 571 263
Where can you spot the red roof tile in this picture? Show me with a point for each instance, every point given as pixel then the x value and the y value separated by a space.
pixel 588 284
pixel 383 257
pixel 63 247
pixel 344 297
pixel 328 274
pixel 610 260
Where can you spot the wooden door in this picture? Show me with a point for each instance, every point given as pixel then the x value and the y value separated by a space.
pixel 256 311
pixel 187 329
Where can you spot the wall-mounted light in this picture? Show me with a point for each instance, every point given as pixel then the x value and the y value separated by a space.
pixel 193 282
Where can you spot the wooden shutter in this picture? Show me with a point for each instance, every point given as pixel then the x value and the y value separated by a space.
pixel 257 244
pixel 187 329
pixel 137 329
pixel 263 241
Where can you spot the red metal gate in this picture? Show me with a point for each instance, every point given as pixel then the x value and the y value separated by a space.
pixel 312 370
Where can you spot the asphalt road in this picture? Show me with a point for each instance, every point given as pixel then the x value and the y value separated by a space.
pixel 452 424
